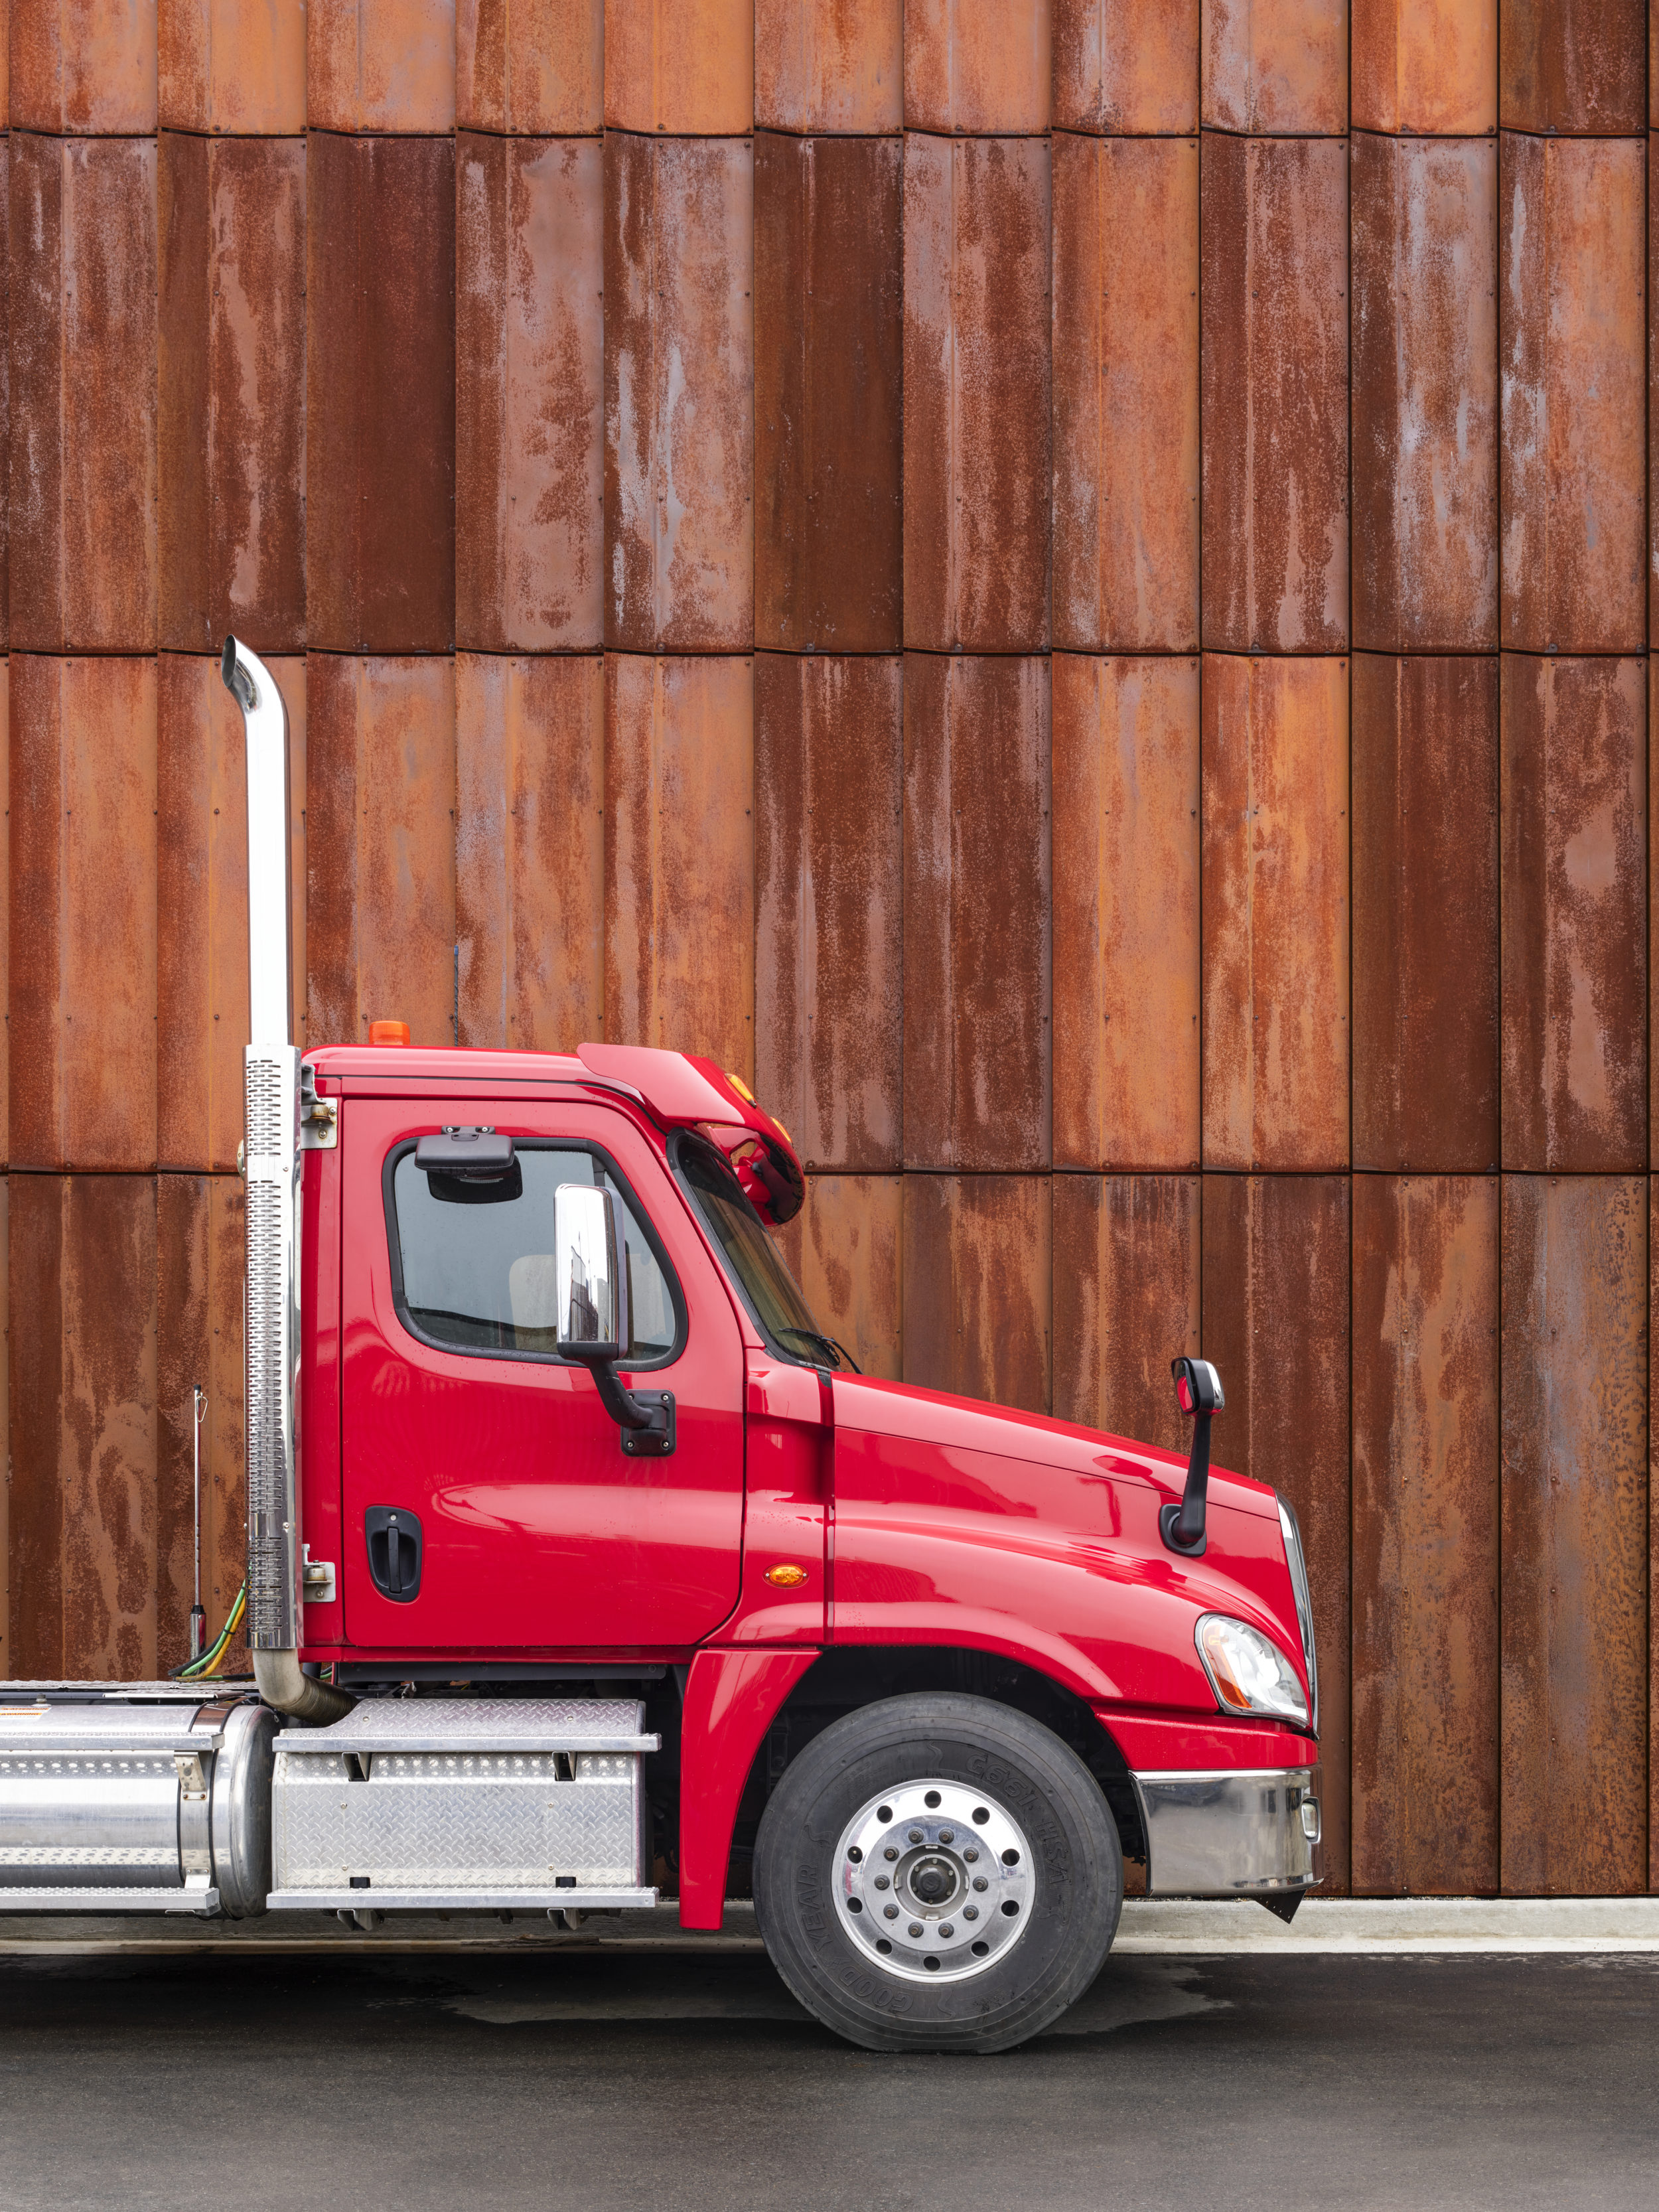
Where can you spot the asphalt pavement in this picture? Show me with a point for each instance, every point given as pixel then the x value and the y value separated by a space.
pixel 669 2077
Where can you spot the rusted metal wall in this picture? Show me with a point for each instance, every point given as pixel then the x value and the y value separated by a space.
pixel 1067 585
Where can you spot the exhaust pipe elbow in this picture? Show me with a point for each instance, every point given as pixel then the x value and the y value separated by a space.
pixel 287 1689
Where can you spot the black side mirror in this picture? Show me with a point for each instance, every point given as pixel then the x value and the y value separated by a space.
pixel 1197 1393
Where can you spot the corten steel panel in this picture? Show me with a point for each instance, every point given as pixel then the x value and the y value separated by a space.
pixel 1128 65
pixel 529 65
pixel 5 1412
pixel 379 847
pixel 1274 217
pixel 977 388
pixel 1126 1302
pixel 201 904
pixel 1424 65
pixel 685 66
pixel 844 1248
pixel 1653 1546
pixel 1571 333
pixel 1573 64
pixel 231 390
pixel 5 382
pixel 829 65
pixel 679 856
pixel 82 1000
pixel 381 65
pixel 380 394
pixel 529 380
pixel 1425 954
pixel 1426 1535
pixel 1574 1600
pixel 976 65
pixel 5 934
pixel 1275 912
pixel 83 1523
pixel 828 956
pixel 83 65
pixel 1126 394
pixel 530 852
pixel 83 566
pixel 1276 1258
pixel 1425 393
pixel 977 931
pixel 1275 65
pixel 1653 387
pixel 232 65
pixel 1574 904
pixel 200 1252
pixel 679 411
pixel 1126 913
pixel 829 422
pixel 977 1287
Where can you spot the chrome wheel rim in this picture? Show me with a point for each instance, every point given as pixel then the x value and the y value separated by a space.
pixel 934 1882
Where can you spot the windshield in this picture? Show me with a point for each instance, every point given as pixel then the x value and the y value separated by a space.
pixel 770 1292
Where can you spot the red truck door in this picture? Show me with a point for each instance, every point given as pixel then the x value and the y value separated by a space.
pixel 519 1522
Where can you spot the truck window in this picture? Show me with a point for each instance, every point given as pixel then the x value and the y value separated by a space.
pixel 770 1291
pixel 478 1276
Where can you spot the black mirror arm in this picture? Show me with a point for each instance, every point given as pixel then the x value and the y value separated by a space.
pixel 624 1408
pixel 1182 1525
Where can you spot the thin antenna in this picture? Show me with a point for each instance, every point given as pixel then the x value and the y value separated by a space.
pixel 197 1617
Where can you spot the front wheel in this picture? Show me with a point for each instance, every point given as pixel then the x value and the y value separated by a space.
pixel 938 1873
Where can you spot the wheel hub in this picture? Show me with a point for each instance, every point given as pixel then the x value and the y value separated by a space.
pixel 935 1880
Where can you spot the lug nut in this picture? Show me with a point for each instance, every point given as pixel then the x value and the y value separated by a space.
pixel 889 1853
pixel 915 1835
pixel 971 1856
pixel 916 1926
pixel 889 1913
pixel 947 1930
pixel 882 1882
pixel 970 1913
pixel 947 1835
pixel 980 1882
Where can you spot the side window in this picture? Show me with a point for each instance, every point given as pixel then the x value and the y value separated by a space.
pixel 477 1268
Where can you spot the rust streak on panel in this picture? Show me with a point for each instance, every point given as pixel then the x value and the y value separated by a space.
pixel 5 930
pixel 1276 1317
pixel 679 856
pixel 83 373
pixel 1426 1530
pixel 1125 1294
pixel 828 545
pixel 529 65
pixel 529 342
pixel 1424 394
pixel 1275 393
pixel 1425 952
pixel 231 529
pixel 845 1248
pixel 1574 915
pixel 1424 65
pixel 829 65
pixel 202 1017
pixel 828 753
pixel 1126 65
pixel 976 65
pixel 529 851
pixel 82 1012
pixel 1653 1540
pixel 380 846
pixel 977 934
pixel 1573 64
pixel 977 487
pixel 35 1546
pixel 380 394
pixel 7 1662
pixel 1653 379
pixel 1275 908
pixel 381 65
pixel 977 1274
pixel 1125 930
pixel 89 67
pixel 1276 65
pixel 1574 1600
pixel 1571 331
pixel 684 67
pixel 1125 380
pixel 679 424
pixel 5 374
pixel 232 65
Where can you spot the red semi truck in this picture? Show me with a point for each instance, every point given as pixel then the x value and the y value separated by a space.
pixel 583 1564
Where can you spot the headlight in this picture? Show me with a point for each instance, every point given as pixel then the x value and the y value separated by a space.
pixel 1296 1562
pixel 1248 1671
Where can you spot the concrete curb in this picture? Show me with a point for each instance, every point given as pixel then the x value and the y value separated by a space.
pixel 1385 1926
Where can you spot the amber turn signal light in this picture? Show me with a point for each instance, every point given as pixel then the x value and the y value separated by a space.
pixel 787 1575
pixel 388 1032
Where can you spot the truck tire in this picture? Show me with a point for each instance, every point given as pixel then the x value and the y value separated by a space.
pixel 938 1873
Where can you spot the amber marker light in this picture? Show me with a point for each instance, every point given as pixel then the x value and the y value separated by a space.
pixel 786 1576
pixel 740 1087
pixel 388 1032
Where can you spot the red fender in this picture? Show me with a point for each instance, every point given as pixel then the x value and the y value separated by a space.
pixel 732 1698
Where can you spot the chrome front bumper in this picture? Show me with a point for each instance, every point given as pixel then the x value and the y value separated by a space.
pixel 1231 1832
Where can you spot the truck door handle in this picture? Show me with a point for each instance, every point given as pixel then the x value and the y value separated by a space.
pixel 395 1549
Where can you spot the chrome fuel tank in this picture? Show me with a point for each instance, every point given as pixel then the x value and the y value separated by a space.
pixel 135 1799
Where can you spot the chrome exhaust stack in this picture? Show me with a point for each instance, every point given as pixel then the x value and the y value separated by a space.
pixel 271 1166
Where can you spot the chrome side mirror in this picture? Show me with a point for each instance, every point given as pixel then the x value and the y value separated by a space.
pixel 591 1274
pixel 1199 1395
